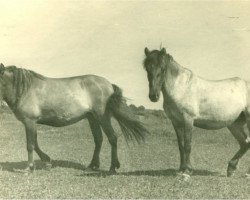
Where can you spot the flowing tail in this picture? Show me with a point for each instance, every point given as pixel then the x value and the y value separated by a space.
pixel 131 127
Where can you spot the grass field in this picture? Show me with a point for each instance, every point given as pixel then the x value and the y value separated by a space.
pixel 147 170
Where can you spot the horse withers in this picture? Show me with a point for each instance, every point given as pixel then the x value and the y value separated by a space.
pixel 193 101
pixel 36 99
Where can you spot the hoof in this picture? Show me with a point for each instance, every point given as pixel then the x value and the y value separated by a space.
pixel 91 170
pixel 182 176
pixel 230 173
pixel 186 177
pixel 247 140
pixel 93 166
pixel 247 175
pixel 112 171
pixel 48 166
pixel 117 166
pixel 28 170
pixel 31 168
pixel 179 173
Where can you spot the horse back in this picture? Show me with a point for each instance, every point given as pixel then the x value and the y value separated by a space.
pixel 235 88
pixel 66 98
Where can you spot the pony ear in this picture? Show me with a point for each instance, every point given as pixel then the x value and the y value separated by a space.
pixel 163 50
pixel 146 51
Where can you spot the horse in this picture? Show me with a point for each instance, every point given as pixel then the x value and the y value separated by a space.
pixel 36 99
pixel 190 100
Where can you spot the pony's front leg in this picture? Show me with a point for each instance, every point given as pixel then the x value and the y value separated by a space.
pixel 180 138
pixel 184 135
pixel 30 128
pixel 187 148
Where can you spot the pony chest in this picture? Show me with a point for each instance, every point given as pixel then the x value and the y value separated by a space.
pixel 176 106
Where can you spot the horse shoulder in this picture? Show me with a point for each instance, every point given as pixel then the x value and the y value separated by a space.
pixel 183 100
pixel 28 106
pixel 187 90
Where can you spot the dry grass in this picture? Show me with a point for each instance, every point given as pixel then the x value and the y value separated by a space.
pixel 147 170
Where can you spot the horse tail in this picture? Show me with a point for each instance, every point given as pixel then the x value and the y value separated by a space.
pixel 131 127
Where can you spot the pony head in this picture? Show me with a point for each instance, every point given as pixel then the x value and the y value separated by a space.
pixel 155 64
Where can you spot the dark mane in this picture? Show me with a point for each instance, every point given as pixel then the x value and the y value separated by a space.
pixel 156 54
pixel 23 79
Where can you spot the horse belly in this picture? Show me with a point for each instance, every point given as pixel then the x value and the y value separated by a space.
pixel 67 112
pixel 59 117
pixel 59 121
pixel 219 113
pixel 211 124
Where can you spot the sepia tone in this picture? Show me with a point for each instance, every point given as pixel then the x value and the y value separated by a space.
pixel 70 38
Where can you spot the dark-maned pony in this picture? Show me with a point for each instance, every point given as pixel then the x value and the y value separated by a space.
pixel 190 100
pixel 36 99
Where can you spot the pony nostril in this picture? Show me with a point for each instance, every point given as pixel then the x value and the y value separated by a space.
pixel 153 97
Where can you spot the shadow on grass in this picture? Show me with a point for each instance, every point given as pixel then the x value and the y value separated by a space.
pixel 167 172
pixel 13 166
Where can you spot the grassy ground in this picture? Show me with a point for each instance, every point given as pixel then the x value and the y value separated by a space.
pixel 147 170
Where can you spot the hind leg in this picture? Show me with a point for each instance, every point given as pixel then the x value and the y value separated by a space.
pixel 238 132
pixel 43 156
pixel 109 131
pixel 97 134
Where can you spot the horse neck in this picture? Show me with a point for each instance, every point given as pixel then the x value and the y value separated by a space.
pixel 10 96
pixel 175 76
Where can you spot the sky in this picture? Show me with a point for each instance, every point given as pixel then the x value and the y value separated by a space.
pixel 60 38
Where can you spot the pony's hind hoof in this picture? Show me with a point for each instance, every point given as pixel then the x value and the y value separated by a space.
pixel 247 175
pixel 112 171
pixel 28 170
pixel 230 173
pixel 179 173
pixel 91 170
pixel 48 166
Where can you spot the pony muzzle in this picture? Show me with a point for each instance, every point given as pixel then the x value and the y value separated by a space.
pixel 154 97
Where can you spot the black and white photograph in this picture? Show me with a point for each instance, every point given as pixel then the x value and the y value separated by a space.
pixel 136 99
